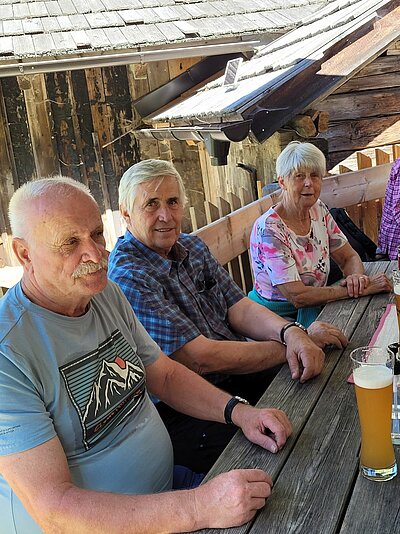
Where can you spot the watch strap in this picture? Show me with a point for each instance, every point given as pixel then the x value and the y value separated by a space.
pixel 286 327
pixel 229 408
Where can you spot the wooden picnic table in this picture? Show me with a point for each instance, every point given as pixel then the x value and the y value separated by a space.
pixel 317 485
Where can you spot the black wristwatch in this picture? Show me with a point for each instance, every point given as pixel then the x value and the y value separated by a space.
pixel 229 407
pixel 289 325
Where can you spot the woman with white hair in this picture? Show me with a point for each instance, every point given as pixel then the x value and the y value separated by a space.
pixel 292 243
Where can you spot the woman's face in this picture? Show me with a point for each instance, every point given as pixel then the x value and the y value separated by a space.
pixel 302 188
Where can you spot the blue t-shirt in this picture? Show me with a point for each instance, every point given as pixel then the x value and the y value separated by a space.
pixel 81 379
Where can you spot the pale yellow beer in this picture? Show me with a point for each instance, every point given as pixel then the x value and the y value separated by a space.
pixel 373 386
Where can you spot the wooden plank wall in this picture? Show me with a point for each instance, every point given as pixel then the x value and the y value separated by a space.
pixel 78 123
pixel 364 112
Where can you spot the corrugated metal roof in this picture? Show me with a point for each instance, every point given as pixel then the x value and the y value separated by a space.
pixel 274 64
pixel 56 28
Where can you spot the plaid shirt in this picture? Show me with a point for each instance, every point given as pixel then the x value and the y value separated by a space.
pixel 176 299
pixel 389 232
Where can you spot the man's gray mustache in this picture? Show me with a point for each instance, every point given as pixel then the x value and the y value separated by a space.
pixel 89 267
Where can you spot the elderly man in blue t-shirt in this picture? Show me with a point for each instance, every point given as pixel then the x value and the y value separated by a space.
pixel 191 307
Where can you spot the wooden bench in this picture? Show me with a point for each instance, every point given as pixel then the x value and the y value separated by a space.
pixel 228 238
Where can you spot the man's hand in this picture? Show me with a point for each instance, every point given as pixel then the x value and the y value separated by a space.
pixel 231 499
pixel 324 334
pixel 266 427
pixel 304 357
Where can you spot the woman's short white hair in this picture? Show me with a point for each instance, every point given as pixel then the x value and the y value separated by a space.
pixel 146 171
pixel 298 156
pixel 30 191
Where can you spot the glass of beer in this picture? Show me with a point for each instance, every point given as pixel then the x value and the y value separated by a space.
pixel 373 379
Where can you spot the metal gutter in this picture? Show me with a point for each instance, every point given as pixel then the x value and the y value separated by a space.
pixel 108 60
pixel 236 131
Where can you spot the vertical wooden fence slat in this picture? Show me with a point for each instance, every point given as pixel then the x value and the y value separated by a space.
pixel 381 157
pixel 211 211
pixel 370 223
pixel 243 259
pixel 396 151
pixel 224 208
pixel 197 218
pixel 245 198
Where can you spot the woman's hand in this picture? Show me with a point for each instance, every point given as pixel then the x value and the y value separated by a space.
pixel 378 283
pixel 361 284
pixel 355 284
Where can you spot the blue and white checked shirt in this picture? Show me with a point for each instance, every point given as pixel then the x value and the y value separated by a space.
pixel 175 299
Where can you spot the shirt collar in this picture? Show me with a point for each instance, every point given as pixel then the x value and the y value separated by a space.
pixel 178 253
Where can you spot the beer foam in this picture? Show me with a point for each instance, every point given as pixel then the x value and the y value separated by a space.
pixel 372 376
pixel 396 289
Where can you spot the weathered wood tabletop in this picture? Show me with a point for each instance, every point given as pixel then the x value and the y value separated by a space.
pixel 317 485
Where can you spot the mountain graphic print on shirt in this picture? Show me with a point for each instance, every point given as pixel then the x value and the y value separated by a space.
pixel 105 386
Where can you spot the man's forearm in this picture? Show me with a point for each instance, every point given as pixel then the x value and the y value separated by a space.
pixel 255 321
pixel 185 390
pixel 89 511
pixel 204 355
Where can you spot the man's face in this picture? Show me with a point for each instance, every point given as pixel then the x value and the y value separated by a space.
pixel 67 257
pixel 157 214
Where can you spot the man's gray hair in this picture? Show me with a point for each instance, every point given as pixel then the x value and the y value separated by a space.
pixel 300 156
pixel 35 189
pixel 142 172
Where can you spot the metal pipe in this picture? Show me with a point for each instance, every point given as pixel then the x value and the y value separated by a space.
pixel 108 60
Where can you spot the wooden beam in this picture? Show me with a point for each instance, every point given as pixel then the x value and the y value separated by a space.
pixel 352 106
pixel 380 66
pixel 367 83
pixel 364 133
pixel 322 121
pixel 351 188
pixel 303 125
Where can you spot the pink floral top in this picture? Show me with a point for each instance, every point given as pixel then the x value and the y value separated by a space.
pixel 279 255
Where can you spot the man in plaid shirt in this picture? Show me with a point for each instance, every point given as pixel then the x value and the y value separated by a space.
pixel 196 313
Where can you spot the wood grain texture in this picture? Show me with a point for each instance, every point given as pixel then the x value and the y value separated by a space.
pixel 314 473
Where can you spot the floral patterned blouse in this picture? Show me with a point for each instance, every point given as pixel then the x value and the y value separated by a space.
pixel 279 255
